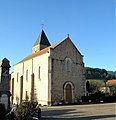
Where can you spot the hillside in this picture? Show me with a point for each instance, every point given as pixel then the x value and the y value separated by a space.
pixel 97 73
pixel 112 72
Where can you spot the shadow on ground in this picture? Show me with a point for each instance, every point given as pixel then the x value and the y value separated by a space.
pixel 83 118
pixel 71 114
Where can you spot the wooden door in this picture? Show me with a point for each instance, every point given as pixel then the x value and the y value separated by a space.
pixel 68 93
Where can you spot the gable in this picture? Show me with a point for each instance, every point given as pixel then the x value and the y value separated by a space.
pixel 67 47
pixel 67 43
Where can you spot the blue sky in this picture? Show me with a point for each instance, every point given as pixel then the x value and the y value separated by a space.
pixel 90 24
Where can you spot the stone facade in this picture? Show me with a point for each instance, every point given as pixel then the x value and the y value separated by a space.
pixel 52 75
pixel 62 75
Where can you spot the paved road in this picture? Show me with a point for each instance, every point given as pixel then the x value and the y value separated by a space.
pixel 80 112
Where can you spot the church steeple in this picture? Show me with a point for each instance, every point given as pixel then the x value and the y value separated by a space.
pixel 41 42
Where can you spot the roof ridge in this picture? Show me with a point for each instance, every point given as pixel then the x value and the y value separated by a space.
pixel 33 55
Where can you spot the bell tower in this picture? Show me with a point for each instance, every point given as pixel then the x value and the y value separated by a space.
pixel 41 42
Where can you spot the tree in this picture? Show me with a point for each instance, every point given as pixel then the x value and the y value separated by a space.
pixel 97 73
pixel 88 86
pixel 110 77
pixel 95 85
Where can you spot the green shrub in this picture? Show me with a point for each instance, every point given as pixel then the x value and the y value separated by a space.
pixel 25 110
pixel 2 111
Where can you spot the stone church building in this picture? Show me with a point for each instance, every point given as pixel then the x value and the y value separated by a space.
pixel 50 75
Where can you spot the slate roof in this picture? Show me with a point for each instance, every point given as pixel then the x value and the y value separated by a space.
pixel 42 39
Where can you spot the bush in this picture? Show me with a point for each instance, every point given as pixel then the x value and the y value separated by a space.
pixel 94 85
pixel 25 110
pixel 2 111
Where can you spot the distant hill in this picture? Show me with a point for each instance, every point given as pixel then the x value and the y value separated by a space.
pixel 97 73
pixel 112 72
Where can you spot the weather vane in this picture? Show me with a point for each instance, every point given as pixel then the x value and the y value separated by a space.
pixel 42 25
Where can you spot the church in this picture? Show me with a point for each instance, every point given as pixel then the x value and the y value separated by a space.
pixel 51 75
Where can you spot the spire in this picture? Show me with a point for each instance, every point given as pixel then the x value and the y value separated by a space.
pixel 42 39
pixel 41 42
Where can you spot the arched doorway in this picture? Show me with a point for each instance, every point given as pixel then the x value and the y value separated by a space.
pixel 68 92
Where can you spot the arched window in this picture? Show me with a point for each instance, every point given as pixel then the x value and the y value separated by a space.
pixel 68 64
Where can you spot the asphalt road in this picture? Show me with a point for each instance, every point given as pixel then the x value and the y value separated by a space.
pixel 80 112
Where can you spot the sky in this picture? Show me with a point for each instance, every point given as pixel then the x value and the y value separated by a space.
pixel 89 23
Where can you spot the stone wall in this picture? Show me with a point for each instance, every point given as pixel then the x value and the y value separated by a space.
pixel 61 76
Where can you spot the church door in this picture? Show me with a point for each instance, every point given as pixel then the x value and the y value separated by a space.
pixel 68 93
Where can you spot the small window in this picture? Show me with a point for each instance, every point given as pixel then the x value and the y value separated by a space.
pixel 17 76
pixel 27 75
pixel 39 72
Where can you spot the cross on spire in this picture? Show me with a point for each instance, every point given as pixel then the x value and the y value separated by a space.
pixel 42 25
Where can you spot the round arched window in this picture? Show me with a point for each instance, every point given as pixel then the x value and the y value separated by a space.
pixel 68 64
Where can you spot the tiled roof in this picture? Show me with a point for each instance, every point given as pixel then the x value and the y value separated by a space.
pixel 111 81
pixel 39 52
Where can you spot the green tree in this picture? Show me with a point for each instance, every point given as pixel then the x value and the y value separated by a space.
pixel 97 73
pixel 95 85
pixel 88 86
